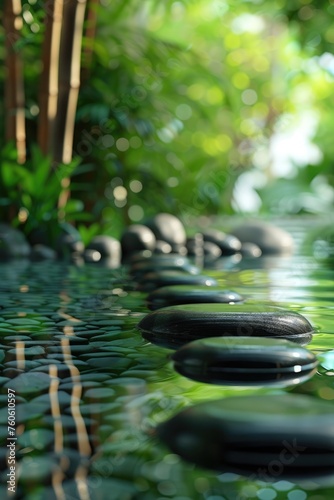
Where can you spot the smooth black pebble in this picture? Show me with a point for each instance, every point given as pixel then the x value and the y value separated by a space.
pixel 168 228
pixel 108 247
pixel 270 238
pixel 135 238
pixel 285 436
pixel 176 325
pixel 227 243
pixel 141 268
pixel 245 361
pixel 188 294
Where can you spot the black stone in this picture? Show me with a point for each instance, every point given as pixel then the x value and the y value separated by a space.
pixel 271 239
pixel 187 294
pixel 69 241
pixel 141 268
pixel 250 250
pixel 211 250
pixel 137 237
pixel 227 243
pixel 162 247
pixel 245 361
pixel 194 245
pixel 151 281
pixel 108 248
pixel 176 325
pixel 289 432
pixel 168 228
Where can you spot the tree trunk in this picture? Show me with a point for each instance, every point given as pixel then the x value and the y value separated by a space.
pixel 14 84
pixel 50 75
pixel 69 79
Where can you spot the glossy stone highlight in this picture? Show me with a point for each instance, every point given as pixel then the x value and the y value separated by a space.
pixel 245 361
pixel 176 325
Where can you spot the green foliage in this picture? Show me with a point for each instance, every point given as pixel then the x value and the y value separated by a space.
pixel 30 193
pixel 184 98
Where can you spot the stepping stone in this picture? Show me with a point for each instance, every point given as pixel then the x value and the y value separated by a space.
pixel 271 239
pixel 107 246
pixel 185 294
pixel 137 237
pixel 162 247
pixel 174 326
pixel 245 361
pixel 250 250
pixel 142 268
pixel 168 228
pixel 151 281
pixel 285 436
pixel 227 243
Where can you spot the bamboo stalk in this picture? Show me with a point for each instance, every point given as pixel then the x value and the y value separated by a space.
pixel 89 37
pixel 14 83
pixel 48 98
pixel 69 78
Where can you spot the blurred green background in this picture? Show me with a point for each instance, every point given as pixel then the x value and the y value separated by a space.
pixel 192 107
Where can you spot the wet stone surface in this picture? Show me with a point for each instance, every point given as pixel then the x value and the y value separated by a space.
pixel 176 325
pixel 185 294
pixel 245 361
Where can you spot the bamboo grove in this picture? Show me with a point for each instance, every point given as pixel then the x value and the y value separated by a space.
pixel 59 85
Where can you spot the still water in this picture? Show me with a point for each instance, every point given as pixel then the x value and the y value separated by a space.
pixel 89 391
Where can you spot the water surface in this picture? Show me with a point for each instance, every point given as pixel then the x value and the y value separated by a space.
pixel 90 391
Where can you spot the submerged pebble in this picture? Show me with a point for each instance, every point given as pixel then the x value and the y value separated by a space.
pixel 176 325
pixel 245 361
pixel 286 435
pixel 187 294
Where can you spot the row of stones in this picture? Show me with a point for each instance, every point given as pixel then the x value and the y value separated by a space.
pixel 223 339
pixel 163 233
pixel 230 344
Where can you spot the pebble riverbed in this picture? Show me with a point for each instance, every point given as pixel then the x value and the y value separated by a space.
pixel 90 391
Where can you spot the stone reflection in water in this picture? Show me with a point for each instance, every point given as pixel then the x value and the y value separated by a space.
pixel 245 361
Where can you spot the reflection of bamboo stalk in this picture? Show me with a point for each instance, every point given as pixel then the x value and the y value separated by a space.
pixel 69 78
pixel 90 31
pixel 49 77
pixel 14 85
